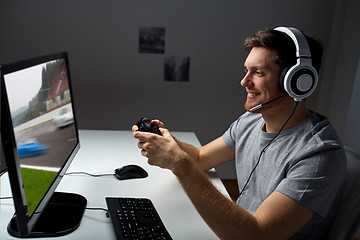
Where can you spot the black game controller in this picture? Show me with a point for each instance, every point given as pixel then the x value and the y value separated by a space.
pixel 145 126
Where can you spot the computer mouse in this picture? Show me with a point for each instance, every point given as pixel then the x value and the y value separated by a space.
pixel 130 172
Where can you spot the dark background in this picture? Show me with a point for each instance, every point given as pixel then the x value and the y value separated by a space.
pixel 115 85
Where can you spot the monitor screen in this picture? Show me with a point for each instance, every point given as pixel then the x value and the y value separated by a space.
pixel 42 136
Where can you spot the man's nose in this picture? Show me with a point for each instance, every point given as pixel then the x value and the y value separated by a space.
pixel 246 80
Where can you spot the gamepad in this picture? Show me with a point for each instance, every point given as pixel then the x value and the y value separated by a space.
pixel 145 126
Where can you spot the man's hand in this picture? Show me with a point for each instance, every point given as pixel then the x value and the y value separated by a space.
pixel 153 122
pixel 162 151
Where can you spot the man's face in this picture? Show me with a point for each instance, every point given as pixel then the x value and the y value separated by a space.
pixel 261 78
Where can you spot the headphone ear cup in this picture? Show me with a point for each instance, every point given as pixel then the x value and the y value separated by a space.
pixel 300 81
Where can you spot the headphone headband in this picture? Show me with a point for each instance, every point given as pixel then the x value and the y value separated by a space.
pixel 302 46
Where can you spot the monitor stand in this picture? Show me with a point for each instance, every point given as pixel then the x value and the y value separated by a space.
pixel 62 215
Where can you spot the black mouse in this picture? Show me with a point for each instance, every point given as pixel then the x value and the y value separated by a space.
pixel 130 172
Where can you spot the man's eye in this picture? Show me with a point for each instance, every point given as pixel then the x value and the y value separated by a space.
pixel 259 73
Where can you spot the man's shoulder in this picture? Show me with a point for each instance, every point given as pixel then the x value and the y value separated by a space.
pixel 244 125
pixel 320 125
pixel 250 117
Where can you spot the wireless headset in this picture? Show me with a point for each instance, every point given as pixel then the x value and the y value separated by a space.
pixel 301 79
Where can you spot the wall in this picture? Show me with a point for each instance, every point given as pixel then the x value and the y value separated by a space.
pixel 352 128
pixel 114 85
pixel 339 98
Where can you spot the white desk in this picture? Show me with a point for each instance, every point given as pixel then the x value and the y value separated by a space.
pixel 103 152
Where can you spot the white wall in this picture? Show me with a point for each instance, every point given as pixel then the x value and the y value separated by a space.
pixel 114 85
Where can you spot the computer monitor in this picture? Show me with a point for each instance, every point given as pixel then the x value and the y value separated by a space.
pixel 40 138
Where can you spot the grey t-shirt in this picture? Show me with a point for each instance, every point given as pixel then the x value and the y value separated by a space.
pixel 307 163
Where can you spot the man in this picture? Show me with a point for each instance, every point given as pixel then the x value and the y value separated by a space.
pixel 289 161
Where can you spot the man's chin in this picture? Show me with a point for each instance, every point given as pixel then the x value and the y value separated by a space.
pixel 248 106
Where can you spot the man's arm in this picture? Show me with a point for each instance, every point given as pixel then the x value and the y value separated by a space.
pixel 210 155
pixel 278 217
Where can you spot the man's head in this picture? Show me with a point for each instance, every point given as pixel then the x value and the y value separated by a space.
pixel 279 51
pixel 284 46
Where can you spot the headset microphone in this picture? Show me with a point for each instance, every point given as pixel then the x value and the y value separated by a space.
pixel 261 105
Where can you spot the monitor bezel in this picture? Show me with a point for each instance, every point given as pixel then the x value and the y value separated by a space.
pixel 24 222
pixel 3 167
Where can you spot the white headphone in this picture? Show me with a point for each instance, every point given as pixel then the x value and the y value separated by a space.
pixel 301 79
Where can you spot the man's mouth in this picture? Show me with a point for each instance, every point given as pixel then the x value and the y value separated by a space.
pixel 252 94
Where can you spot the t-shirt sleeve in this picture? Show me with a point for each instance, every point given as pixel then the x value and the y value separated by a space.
pixel 315 180
pixel 229 136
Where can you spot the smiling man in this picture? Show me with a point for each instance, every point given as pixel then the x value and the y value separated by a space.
pixel 290 163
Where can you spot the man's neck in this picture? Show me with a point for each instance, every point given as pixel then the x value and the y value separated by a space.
pixel 276 117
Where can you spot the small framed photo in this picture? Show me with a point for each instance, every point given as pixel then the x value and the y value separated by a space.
pixel 177 68
pixel 152 40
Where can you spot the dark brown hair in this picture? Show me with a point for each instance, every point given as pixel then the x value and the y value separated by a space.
pixel 285 47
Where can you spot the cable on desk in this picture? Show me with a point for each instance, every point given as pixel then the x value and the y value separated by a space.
pixel 2 198
pixel 2 173
pixel 89 174
pixel 99 209
pixel 86 208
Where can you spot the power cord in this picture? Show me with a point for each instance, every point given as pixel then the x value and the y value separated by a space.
pixel 3 198
pixel 86 208
pixel 89 174
pixel 100 209
pixel 3 173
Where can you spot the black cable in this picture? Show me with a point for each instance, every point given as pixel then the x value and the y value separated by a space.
pixel 89 174
pixel 96 209
pixel 86 208
pixel 2 198
pixel 100 209
pixel 263 150
pixel 2 173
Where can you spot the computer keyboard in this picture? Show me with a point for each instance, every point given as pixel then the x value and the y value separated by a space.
pixel 135 218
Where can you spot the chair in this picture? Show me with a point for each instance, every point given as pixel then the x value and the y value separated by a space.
pixel 347 222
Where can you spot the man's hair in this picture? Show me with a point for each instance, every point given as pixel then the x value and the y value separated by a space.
pixel 284 46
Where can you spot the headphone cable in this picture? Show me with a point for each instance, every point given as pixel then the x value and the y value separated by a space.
pixel 263 150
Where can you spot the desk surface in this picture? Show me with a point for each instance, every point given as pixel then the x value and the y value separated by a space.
pixel 103 152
